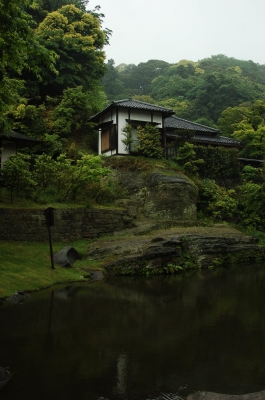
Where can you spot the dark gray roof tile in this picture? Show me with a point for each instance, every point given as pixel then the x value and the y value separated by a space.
pixel 215 140
pixel 174 122
pixel 131 103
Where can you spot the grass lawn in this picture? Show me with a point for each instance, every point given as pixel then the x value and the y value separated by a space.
pixel 27 266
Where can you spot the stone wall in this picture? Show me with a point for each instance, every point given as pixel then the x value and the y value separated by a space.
pixel 69 224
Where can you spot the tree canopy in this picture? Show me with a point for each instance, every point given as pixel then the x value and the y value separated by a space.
pixel 48 47
pixel 246 123
pixel 195 90
pixel 77 39
pixel 19 49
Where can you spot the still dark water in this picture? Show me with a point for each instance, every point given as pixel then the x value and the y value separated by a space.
pixel 138 338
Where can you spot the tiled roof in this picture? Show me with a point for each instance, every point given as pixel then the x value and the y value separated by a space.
pixel 20 139
pixel 216 139
pixel 12 135
pixel 137 104
pixel 141 105
pixel 173 122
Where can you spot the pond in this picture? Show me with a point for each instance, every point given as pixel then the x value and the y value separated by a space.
pixel 137 338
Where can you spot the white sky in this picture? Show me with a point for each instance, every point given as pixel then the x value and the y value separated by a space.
pixel 173 30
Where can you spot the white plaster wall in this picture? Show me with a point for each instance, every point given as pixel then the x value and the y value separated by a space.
pixel 8 149
pixel 109 153
pixel 139 115
pixel 123 114
pixel 157 117
pixel 143 115
pixel 109 116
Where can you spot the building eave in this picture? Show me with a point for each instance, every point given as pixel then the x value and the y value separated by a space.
pixel 20 139
pixel 175 123
pixel 133 104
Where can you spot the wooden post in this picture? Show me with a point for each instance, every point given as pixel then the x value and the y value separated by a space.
pixel 51 250
pixel 49 218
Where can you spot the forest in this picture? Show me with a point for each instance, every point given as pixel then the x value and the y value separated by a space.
pixel 54 76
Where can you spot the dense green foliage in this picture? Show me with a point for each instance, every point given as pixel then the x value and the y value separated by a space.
pixel 77 39
pixel 149 141
pixel 244 204
pixel 53 77
pixel 187 157
pixel 215 170
pixel 127 139
pixel 51 66
pixel 246 123
pixel 217 201
pixel 219 162
pixel 194 90
pixel 19 50
pixel 44 179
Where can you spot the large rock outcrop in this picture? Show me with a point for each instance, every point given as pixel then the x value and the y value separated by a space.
pixel 219 396
pixel 170 197
pixel 176 249
pixel 160 197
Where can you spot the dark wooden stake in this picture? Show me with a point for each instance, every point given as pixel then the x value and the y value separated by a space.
pixel 50 242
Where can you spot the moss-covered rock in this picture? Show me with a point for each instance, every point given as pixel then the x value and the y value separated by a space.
pixel 170 197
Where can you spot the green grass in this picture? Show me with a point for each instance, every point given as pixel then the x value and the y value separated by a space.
pixel 27 266
pixel 252 232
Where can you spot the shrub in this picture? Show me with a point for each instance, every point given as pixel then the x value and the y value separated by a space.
pixel 251 210
pixel 252 174
pixel 128 137
pixel 55 180
pixel 149 141
pixel 219 162
pixel 216 201
pixel 105 191
pixel 16 176
pixel 187 158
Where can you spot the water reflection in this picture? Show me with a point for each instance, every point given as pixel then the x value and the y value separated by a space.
pixel 136 338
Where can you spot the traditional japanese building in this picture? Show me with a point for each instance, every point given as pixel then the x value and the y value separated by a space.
pixel 177 128
pixel 111 121
pixel 11 142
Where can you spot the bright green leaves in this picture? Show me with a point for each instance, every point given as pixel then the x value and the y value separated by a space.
pixel 216 201
pixel 187 158
pixel 127 140
pixel 251 204
pixel 149 141
pixel 246 123
pixel 17 177
pixel 19 50
pixel 195 90
pixel 72 113
pixel 253 140
pixel 46 179
pixel 77 39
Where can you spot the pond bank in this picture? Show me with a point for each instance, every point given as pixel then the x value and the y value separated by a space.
pixel 144 250
pixel 175 249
